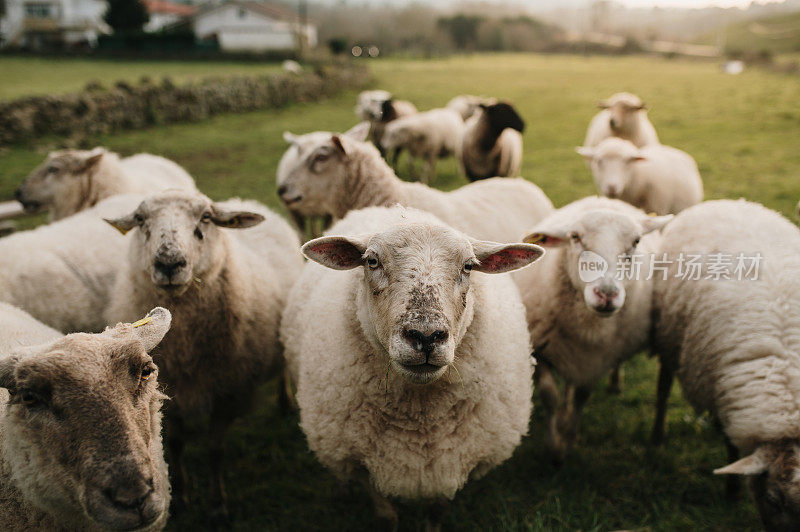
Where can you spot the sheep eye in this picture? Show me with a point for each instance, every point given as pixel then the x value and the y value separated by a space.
pixel 206 217
pixel 636 242
pixel 30 399
pixel 139 219
pixel 147 371
pixel 468 267
pixel 372 262
pixel 575 238
pixel 52 169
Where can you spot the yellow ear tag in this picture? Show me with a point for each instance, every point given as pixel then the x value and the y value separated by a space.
pixel 652 214
pixel 535 238
pixel 143 321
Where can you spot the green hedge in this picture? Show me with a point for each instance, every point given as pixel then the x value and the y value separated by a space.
pixel 96 110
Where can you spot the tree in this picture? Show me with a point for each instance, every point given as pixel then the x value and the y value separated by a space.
pixel 463 29
pixel 126 15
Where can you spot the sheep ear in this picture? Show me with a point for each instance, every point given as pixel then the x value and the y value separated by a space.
pixel 337 143
pixel 235 219
pixel 336 252
pixel 290 138
pixel 503 115
pixel 499 258
pixel 753 464
pixel 586 152
pixel 8 364
pixel 92 158
pixel 548 238
pixel 152 328
pixel 124 224
pixel 358 132
pixel 654 223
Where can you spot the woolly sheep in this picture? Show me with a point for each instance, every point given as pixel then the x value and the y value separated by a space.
pixel 292 67
pixel 326 174
pixel 655 178
pixel 69 181
pixel 492 142
pixel 80 427
pixel 735 344
pixel 379 108
pixel 623 115
pixel 585 312
pixel 226 290
pixel 371 348
pixel 466 104
pixel 430 136
pixel 62 273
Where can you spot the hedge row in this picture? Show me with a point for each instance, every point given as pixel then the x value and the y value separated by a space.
pixel 96 110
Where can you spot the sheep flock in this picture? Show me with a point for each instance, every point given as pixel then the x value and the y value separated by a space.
pixel 406 327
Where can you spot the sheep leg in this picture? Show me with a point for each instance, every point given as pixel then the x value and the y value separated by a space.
pixel 548 391
pixel 578 398
pixel 222 415
pixel 177 469
pixel 412 167
pixel 665 377
pixel 396 159
pixel 437 511
pixel 429 173
pixel 385 511
pixel 615 380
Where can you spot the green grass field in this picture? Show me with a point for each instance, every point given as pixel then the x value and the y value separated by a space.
pixel 26 76
pixel 743 131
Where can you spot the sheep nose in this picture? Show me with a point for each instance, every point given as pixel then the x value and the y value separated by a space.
pixel 168 266
pixel 281 190
pixel 606 293
pixel 132 496
pixel 425 343
pixel 612 123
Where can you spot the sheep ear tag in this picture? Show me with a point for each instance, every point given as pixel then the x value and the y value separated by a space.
pixel 143 321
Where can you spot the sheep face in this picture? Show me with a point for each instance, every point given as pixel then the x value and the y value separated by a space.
pixel 773 472
pixel 179 240
pixel 414 302
pixel 312 167
pixel 83 426
pixel 623 109
pixel 57 176
pixel 612 163
pixel 599 251
pixel 399 134
pixel 370 104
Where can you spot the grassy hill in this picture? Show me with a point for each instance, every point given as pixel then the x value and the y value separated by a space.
pixel 777 34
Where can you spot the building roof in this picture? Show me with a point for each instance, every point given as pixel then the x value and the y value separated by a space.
pixel 171 8
pixel 273 11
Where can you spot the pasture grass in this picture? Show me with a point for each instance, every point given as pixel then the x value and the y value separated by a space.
pixel 32 76
pixel 742 130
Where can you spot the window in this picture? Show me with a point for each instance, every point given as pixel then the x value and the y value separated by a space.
pixel 40 10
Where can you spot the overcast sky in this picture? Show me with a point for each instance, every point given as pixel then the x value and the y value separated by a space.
pixel 691 3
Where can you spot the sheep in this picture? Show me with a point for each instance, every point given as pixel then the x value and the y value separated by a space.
pixel 324 174
pixel 370 350
pixel 69 181
pixel 655 178
pixel 430 136
pixel 379 108
pixel 735 343
pixel 466 104
pixel 80 426
pixel 587 309
pixel 292 67
pixel 492 142
pixel 623 115
pixel 62 273
pixel 226 290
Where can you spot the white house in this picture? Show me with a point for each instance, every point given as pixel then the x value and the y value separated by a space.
pixel 240 26
pixel 41 23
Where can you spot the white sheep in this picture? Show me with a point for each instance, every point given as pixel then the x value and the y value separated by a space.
pixel 62 273
pixel 623 115
pixel 731 330
pixel 588 310
pixel 368 104
pixel 80 427
pixel 491 144
pixel 225 276
pixel 416 367
pixel 655 178
pixel 329 175
pixel 379 107
pixel 429 135
pixel 292 67
pixel 466 104
pixel 69 181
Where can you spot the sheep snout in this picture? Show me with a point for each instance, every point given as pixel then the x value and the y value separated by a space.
pixel 605 298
